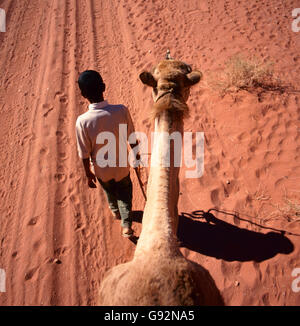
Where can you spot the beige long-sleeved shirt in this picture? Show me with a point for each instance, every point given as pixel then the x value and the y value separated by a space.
pixel 102 134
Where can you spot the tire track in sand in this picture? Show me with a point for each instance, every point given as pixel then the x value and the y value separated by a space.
pixel 42 231
pixel 16 256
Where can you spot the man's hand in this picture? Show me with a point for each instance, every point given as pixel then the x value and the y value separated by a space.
pixel 91 179
pixel 137 156
pixel 89 174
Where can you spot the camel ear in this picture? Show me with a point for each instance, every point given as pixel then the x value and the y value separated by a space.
pixel 147 79
pixel 194 77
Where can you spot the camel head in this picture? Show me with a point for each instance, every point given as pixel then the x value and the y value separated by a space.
pixel 171 77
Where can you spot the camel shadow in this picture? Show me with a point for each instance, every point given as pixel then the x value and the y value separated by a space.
pixel 216 238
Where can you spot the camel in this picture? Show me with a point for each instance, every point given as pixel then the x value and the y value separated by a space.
pixel 159 274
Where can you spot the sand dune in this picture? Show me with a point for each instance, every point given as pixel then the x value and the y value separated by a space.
pixel 57 237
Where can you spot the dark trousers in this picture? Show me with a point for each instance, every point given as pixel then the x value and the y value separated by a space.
pixel 119 196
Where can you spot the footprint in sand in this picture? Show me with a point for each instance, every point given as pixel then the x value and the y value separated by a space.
pixel 37 245
pixel 62 137
pixel 27 138
pixel 43 152
pixel 61 251
pixel 63 202
pixel 63 98
pixel 63 156
pixel 214 196
pixel 33 221
pixel 261 172
pixel 47 109
pixel 29 275
pixel 60 177
pixel 74 198
pixel 53 261
pixel 59 134
pixel 229 269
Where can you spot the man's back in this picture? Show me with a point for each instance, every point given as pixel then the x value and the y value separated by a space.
pixel 99 123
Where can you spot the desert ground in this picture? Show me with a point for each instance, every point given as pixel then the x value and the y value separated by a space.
pixel 240 220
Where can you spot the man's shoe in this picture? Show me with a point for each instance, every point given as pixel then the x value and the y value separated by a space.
pixel 127 232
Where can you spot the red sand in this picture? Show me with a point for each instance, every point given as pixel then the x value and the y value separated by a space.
pixel 57 237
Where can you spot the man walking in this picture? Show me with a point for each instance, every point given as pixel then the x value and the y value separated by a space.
pixel 104 117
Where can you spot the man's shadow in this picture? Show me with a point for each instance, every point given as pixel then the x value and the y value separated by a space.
pixel 216 238
pixel 137 216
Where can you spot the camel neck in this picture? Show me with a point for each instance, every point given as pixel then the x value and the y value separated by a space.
pixel 160 215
